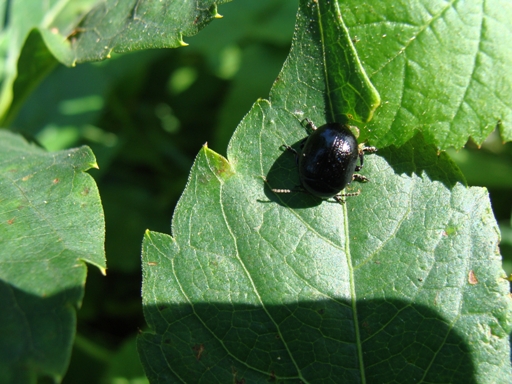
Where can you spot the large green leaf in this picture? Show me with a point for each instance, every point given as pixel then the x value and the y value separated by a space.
pixel 51 222
pixel 441 67
pixel 401 284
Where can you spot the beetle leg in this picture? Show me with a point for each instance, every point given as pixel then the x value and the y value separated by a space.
pixel 362 151
pixel 351 193
pixel 303 142
pixel 361 157
pixel 288 148
pixel 277 190
pixel 298 188
pixel 368 149
pixel 310 124
pixel 360 178
pixel 339 198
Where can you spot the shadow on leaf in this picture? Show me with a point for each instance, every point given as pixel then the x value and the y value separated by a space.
pixel 36 333
pixel 284 174
pixel 303 342
pixel 418 157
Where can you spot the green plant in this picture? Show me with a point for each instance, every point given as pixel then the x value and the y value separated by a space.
pixel 402 283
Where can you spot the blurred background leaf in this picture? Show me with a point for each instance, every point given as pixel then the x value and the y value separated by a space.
pixel 85 30
pixel 30 42
pixel 51 223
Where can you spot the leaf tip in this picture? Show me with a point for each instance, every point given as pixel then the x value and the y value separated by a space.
pixel 218 164
pixel 214 12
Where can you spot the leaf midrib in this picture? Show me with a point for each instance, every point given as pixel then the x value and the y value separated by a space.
pixel 345 216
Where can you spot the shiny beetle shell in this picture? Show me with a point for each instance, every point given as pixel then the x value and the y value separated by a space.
pixel 328 160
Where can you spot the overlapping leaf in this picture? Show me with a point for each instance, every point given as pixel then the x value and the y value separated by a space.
pixel 442 68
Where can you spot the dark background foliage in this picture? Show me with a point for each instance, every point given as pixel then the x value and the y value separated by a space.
pixel 146 115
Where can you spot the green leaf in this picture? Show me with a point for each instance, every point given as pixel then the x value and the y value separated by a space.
pixel 87 30
pixel 51 222
pixel 131 25
pixel 327 50
pixel 402 283
pixel 125 365
pixel 34 64
pixel 349 90
pixel 442 68
pixel 35 31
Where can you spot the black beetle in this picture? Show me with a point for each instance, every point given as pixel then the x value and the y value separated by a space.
pixel 327 161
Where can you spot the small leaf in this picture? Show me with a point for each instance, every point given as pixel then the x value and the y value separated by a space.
pixel 255 287
pixel 51 222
